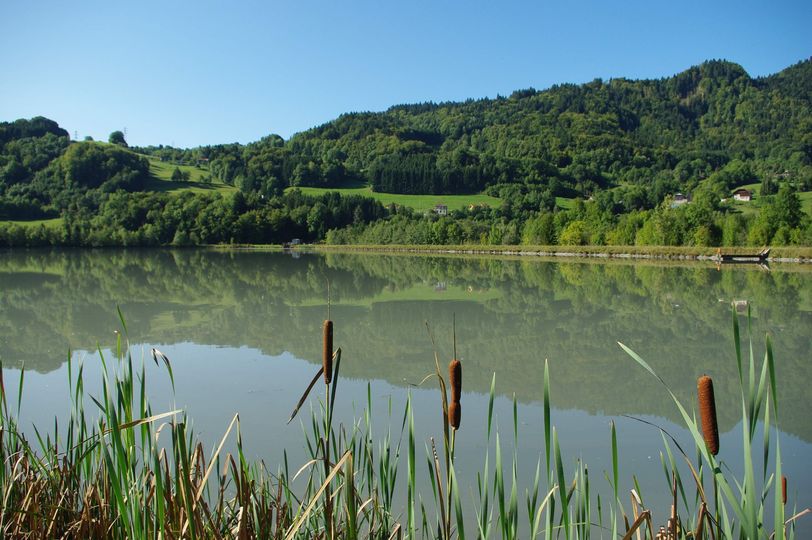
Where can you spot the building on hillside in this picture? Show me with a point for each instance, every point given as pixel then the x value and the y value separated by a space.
pixel 680 199
pixel 744 195
pixel 441 209
pixel 740 305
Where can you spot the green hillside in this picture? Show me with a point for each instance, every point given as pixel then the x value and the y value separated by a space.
pixel 200 181
pixel 598 163
pixel 662 136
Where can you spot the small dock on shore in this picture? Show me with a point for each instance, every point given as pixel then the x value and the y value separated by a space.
pixel 760 257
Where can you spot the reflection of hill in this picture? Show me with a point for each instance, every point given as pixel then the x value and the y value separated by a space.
pixel 511 316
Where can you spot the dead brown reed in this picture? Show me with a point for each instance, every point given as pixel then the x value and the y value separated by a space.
pixel 707 410
pixel 455 379
pixel 327 353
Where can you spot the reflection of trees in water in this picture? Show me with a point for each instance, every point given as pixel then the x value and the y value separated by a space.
pixel 569 312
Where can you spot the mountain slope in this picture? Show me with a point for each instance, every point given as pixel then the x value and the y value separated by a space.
pixel 663 135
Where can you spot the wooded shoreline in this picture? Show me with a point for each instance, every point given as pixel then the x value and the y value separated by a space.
pixel 795 254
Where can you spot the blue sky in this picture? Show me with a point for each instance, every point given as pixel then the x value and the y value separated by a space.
pixel 192 73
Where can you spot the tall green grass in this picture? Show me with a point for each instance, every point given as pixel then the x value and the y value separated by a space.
pixel 125 471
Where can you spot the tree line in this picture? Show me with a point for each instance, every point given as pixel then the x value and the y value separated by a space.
pixel 705 221
pixel 188 219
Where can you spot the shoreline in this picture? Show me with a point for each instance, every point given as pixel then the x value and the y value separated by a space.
pixel 798 255
pixel 784 254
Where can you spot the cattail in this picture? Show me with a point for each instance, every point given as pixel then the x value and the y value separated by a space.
pixel 454 414
pixel 784 489
pixel 327 358
pixel 455 378
pixel 707 410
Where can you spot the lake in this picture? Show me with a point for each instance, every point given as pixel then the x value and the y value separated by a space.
pixel 243 332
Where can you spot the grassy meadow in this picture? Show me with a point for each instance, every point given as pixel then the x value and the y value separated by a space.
pixel 753 206
pixel 198 179
pixel 806 201
pixel 420 203
pixel 564 202
pixel 50 223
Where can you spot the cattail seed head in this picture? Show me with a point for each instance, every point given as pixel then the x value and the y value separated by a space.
pixel 454 414
pixel 327 356
pixel 784 490
pixel 707 410
pixel 455 379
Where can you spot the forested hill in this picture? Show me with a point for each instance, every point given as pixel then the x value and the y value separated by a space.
pixel 664 134
pixel 584 137
pixel 624 146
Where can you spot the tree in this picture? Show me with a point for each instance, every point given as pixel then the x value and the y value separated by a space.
pixel 539 230
pixel 787 206
pixel 316 220
pixel 734 230
pixel 180 176
pixel 117 137
pixel 574 234
pixel 768 187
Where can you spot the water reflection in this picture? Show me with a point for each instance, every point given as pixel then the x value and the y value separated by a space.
pixel 511 316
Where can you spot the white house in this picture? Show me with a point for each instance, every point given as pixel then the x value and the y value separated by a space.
pixel 742 195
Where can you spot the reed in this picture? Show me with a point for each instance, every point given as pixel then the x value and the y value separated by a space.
pixel 740 503
pixel 135 473
pixel 707 411
pixel 454 414
pixel 327 351
pixel 784 490
pixel 455 379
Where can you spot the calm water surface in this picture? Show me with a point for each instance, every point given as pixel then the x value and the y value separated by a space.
pixel 242 330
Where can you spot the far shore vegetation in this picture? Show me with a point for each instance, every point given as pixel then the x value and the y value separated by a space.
pixel 710 157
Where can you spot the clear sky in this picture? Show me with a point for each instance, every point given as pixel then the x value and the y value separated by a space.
pixel 208 72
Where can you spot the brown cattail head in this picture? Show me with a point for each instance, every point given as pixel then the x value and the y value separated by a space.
pixel 784 489
pixel 707 411
pixel 455 379
pixel 454 414
pixel 327 356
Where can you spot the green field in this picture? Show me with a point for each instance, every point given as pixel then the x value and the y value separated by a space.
pixel 50 223
pixel 753 206
pixel 564 202
pixel 746 208
pixel 162 179
pixel 418 202
pixel 806 201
